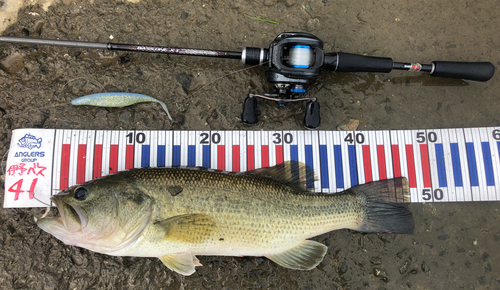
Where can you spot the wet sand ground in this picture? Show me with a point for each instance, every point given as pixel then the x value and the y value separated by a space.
pixel 454 245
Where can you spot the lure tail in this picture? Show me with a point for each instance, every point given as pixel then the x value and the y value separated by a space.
pixel 166 110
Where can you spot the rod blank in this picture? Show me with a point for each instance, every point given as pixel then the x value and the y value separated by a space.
pixel 54 42
pixel 124 47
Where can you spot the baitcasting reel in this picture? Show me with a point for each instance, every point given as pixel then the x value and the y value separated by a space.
pixel 294 60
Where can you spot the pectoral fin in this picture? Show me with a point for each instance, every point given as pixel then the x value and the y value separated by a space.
pixel 182 263
pixel 188 228
pixel 305 256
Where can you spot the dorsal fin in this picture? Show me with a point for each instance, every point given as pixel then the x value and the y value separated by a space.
pixel 293 173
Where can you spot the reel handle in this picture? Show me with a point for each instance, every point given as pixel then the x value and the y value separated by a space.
pixel 249 115
pixel 312 118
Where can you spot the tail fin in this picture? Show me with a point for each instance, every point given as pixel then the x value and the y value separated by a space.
pixel 385 206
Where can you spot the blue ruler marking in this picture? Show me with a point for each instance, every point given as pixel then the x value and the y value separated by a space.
pixel 352 165
pixel 191 155
pixel 457 169
pixel 440 165
pixel 161 156
pixel 338 166
pixel 488 165
pixel 145 156
pixel 325 183
pixel 309 162
pixel 206 156
pixel 471 157
pixel 176 160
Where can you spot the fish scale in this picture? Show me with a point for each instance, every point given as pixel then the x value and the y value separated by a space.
pixel 245 202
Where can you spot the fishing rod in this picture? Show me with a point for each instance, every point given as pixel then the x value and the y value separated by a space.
pixel 294 60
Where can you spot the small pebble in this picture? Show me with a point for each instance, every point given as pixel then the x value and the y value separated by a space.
pixel 338 103
pixel 403 269
pixel 402 254
pixel 376 261
pixel 482 280
pixel 342 268
pixel 77 259
pixel 12 63
pixel 442 237
pixel 351 126
pixel 425 267
pixel 381 274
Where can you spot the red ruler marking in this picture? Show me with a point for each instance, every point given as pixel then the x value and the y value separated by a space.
pixel 425 165
pixel 97 160
pixel 129 156
pixel 113 159
pixel 411 166
pixel 251 157
pixel 396 161
pixel 279 154
pixel 66 148
pixel 80 169
pixel 221 157
pixel 236 158
pixel 367 163
pixel 265 155
pixel 382 171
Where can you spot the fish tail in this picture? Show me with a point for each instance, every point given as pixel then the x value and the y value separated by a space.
pixel 385 206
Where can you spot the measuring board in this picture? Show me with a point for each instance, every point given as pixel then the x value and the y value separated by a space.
pixel 444 165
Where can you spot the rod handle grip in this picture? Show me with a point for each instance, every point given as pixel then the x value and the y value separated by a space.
pixel 348 62
pixel 474 71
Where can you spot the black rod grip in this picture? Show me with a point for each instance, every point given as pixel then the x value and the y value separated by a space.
pixel 348 62
pixel 474 71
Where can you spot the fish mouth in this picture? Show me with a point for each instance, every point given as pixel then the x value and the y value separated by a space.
pixel 72 217
pixel 68 225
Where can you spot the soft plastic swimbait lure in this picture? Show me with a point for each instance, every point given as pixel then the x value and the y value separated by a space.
pixel 116 100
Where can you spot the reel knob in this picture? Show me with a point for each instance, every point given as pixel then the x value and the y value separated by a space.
pixel 249 115
pixel 312 119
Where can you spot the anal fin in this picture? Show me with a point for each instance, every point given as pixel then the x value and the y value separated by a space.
pixel 305 256
pixel 182 263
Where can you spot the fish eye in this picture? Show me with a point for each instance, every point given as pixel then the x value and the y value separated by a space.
pixel 81 193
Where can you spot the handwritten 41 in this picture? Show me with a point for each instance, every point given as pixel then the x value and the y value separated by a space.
pixel 21 170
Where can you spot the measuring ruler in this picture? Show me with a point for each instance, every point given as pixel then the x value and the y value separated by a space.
pixel 444 165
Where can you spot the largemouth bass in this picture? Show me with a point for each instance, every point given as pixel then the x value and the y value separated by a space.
pixel 177 213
